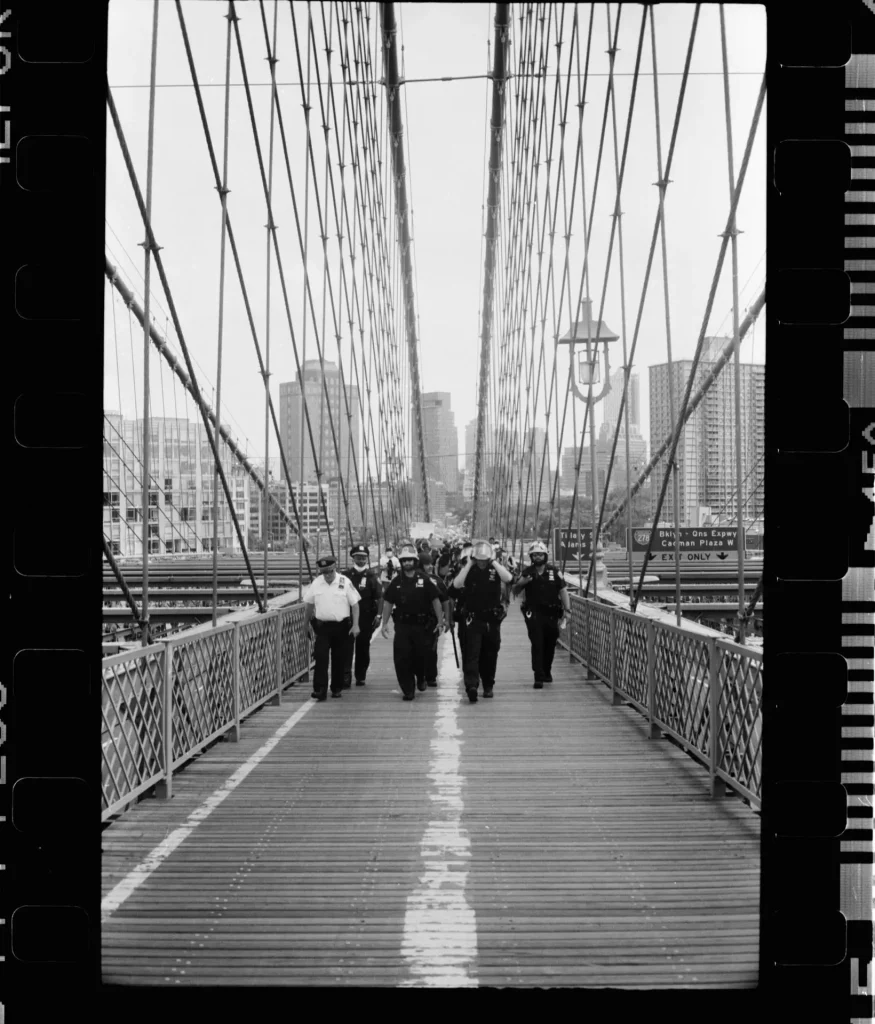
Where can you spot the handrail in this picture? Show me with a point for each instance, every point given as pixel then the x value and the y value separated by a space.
pixel 703 691
pixel 164 703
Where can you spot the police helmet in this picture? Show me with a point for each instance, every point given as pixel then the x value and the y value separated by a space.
pixel 408 553
pixel 482 550
pixel 537 547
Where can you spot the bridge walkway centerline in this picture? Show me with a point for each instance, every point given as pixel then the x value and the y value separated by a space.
pixel 539 838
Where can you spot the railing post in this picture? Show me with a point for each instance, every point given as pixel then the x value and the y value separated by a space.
pixel 278 698
pixel 234 732
pixel 653 730
pixel 164 789
pixel 714 714
pixel 571 636
pixel 612 618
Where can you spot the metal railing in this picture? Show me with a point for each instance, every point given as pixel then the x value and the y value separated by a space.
pixel 179 695
pixel 704 692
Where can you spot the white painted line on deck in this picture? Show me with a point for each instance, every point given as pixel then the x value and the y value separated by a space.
pixel 135 878
pixel 440 928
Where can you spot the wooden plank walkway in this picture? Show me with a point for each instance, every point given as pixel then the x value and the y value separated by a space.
pixel 537 839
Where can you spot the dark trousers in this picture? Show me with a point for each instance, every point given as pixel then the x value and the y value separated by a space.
pixel 409 651
pixel 331 640
pixel 359 647
pixel 431 665
pixel 461 628
pixel 482 643
pixel 543 632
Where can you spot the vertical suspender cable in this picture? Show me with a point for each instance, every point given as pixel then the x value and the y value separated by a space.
pixel 499 74
pixel 147 429
pixel 221 326
pixel 396 129
pixel 662 184
pixel 271 227
pixel 733 235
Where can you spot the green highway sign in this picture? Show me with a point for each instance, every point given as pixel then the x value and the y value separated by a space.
pixel 692 540
pixel 572 545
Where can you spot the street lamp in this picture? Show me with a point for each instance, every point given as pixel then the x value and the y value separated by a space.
pixel 591 334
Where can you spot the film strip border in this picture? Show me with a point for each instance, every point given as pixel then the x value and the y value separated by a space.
pixel 858 649
pixel 858 585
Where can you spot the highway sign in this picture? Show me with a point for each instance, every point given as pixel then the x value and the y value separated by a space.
pixel 703 539
pixel 715 557
pixel 569 545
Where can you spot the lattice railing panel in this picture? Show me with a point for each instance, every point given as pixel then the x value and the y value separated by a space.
pixel 630 639
pixel 295 645
pixel 681 679
pixel 577 631
pixel 132 708
pixel 740 674
pixel 203 689
pixel 599 645
pixel 257 661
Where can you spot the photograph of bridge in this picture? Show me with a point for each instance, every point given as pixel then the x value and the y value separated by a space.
pixel 378 274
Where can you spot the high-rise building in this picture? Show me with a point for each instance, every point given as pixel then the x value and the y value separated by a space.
pixel 470 448
pixel 535 472
pixel 293 425
pixel 441 441
pixel 181 494
pixel 612 403
pixel 706 449
pixel 637 462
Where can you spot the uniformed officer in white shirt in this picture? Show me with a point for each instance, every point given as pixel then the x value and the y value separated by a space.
pixel 331 611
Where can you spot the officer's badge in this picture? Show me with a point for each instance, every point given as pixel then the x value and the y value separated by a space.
pixel 420 582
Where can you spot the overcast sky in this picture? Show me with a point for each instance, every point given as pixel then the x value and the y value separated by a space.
pixel 446 139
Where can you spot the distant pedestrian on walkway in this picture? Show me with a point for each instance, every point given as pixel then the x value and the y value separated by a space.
pixel 480 581
pixel 331 611
pixel 545 604
pixel 413 601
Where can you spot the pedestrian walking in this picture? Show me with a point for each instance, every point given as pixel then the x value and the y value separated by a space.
pixel 366 581
pixel 431 659
pixel 413 601
pixel 545 605
pixel 332 613
pixel 390 567
pixel 481 581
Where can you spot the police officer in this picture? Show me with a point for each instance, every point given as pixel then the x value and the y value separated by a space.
pixel 366 581
pixel 413 601
pixel 545 606
pixel 480 580
pixel 331 611
pixel 460 560
pixel 431 666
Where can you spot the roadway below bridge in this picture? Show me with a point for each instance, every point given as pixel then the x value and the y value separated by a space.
pixel 536 839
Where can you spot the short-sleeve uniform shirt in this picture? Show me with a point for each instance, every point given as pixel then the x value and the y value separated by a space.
pixel 413 595
pixel 543 591
pixel 332 601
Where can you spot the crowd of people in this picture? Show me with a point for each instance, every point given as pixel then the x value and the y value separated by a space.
pixel 428 588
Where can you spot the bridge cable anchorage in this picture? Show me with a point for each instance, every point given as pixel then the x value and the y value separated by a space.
pixel 393 82
pixel 178 327
pixel 502 21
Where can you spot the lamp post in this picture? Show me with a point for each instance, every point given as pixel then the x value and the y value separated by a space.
pixel 590 334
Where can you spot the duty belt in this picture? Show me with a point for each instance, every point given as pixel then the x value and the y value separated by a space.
pixel 409 619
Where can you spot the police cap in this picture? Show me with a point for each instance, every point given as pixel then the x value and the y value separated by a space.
pixel 325 561
pixel 358 549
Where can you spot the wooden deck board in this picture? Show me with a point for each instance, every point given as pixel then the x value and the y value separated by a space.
pixel 593 855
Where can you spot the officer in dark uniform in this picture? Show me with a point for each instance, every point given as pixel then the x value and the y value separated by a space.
pixel 545 605
pixel 481 581
pixel 460 560
pixel 431 665
pixel 413 601
pixel 366 580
